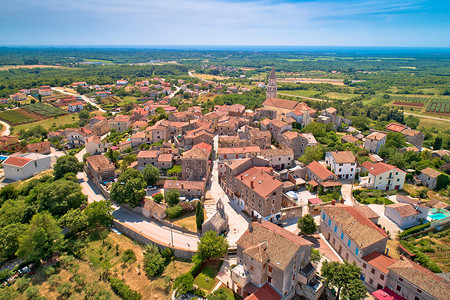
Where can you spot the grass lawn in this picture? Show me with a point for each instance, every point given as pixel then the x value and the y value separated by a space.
pixel 303 93
pixel 326 197
pixel 229 293
pixel 430 123
pixel 186 221
pixel 371 200
pixel 340 96
pixel 209 271
pixel 58 121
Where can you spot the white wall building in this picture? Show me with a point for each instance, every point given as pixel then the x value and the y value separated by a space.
pixel 25 165
pixel 405 215
pixel 342 163
pixel 384 177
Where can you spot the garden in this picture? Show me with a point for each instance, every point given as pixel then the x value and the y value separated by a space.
pixel 371 197
pixel 44 110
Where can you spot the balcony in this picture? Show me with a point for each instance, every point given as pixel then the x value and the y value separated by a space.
pixel 306 274
pixel 314 288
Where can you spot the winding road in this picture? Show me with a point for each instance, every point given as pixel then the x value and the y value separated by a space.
pixel 86 99
pixel 427 117
pixel 5 129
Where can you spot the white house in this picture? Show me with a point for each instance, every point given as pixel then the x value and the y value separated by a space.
pixel 76 106
pixel 383 176
pixel 94 145
pixel 342 163
pixel 279 159
pixel 405 215
pixel 25 165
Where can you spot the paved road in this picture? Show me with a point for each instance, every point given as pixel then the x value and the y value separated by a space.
pixel 237 223
pixel 86 99
pixel 427 117
pixel 346 192
pixel 191 73
pixel 6 128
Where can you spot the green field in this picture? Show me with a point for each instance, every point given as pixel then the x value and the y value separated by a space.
pixel 47 124
pixel 45 110
pixel 340 96
pixel 439 105
pixel 14 117
pixel 303 93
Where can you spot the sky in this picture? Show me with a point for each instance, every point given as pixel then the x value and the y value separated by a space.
pixel 392 23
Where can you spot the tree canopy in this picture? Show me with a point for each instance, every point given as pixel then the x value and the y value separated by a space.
pixel 212 245
pixel 129 188
pixel 66 164
pixel 306 224
pixel 345 277
pixel 151 175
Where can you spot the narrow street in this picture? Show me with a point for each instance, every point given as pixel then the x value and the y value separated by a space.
pixel 237 223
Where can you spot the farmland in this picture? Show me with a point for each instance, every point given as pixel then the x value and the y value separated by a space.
pixel 15 117
pixel 439 105
pixel 45 110
pixel 410 99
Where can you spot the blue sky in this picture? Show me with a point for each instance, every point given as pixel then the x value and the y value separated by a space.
pixel 404 23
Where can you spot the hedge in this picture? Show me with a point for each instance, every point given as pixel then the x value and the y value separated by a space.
pixel 174 211
pixel 413 230
pixel 421 258
pixel 123 290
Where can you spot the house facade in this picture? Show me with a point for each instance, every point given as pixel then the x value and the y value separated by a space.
pixel 24 166
pixel 383 176
pixel 374 141
pixel 342 163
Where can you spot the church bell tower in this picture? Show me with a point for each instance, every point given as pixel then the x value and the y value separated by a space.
pixel 272 86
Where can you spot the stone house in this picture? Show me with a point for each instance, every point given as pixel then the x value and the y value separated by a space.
pixel 429 177
pixel 374 141
pixel 194 165
pixel 23 166
pixel 406 215
pixel 120 123
pixel 383 176
pixel 279 159
pixel 42 147
pixel 100 168
pixel 187 188
pixel 342 163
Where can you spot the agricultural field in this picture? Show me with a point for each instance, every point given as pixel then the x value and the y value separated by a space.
pixel 45 110
pixel 411 99
pixel 16 116
pixel 439 105
pixel 340 96
pixel 49 123
pixel 206 97
pixel 302 93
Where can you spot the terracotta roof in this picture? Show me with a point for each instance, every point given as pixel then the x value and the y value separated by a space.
pixel 376 136
pixel 281 245
pixel 148 154
pixel 379 168
pixel 410 132
pixel 404 209
pixel 322 172
pixel 278 123
pixel 277 152
pixel 379 260
pixel 297 112
pixel 195 153
pixel 184 185
pixel 431 172
pixel 331 110
pixel 17 161
pixel 266 292
pixel 100 163
pixel 239 150
pixel 315 201
pixel 39 147
pixel 204 147
pixel 122 118
pixel 422 278
pixel 395 127
pixel 367 212
pixel 262 183
pixel 349 139
pixel 343 157
pixel 281 103
pixel 291 134
pixel 165 157
pixel 258 252
pixel 357 226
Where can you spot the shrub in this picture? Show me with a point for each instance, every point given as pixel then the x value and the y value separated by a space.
pixel 49 270
pixel 128 256
pixel 22 284
pixel 153 260
pixel 174 212
pixel 158 198
pixel 32 293
pixel 167 253
pixel 413 230
pixel 123 290
pixel 187 207
pixel 5 274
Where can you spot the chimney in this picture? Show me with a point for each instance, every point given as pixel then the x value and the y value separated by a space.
pixel 242 177
pixel 182 186
pixel 98 168
pixel 273 177
pixel 250 227
pixel 252 184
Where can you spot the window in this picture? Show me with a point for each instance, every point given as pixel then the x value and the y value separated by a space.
pixel 269 279
pixel 400 279
pixel 323 216
pixel 295 257
pixel 251 268
pixel 349 243
pixel 264 266
pixel 346 256
pixel 270 269
pixel 329 222
pixel 364 265
pixel 335 228
pixel 371 281
pixel 342 235
pixel 419 291
pixel 295 267
pixel 372 271
pixel 382 277
pixel 416 298
pixel 399 288
pixel 356 251
pixel 340 170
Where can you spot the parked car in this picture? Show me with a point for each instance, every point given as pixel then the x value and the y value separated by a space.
pixel 151 188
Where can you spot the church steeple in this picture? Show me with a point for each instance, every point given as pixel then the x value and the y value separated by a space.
pixel 272 86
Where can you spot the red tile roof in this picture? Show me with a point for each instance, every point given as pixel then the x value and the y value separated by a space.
pixel 17 161
pixel 266 292
pixel 204 146
pixel 379 260
pixel 322 172
pixel 379 168
pixel 258 180
pixel 404 209
pixel 395 127
pixel 148 154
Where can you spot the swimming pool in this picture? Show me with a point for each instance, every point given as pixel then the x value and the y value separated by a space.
pixel 3 157
pixel 438 216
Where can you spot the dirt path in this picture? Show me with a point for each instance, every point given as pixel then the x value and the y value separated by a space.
pixel 5 128
pixel 427 117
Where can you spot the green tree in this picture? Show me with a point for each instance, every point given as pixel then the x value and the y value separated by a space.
pixel 212 245
pixel 75 220
pixel 315 255
pixel 60 196
pixel 311 154
pixel 9 242
pixel 153 260
pixel 112 155
pixel 340 275
pixel 66 164
pixel 218 295
pixel 184 283
pixel 158 198
pixel 151 175
pixel 306 224
pixel 199 215
pixel 354 290
pixel 412 121
pixel 437 145
pixel 172 197
pixel 8 192
pixel 99 214
pixel 129 188
pixel 42 237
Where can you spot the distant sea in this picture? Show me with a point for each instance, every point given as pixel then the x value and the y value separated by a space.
pixel 352 49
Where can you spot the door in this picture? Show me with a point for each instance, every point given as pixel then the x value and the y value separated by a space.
pixel 340 250
pixel 397 187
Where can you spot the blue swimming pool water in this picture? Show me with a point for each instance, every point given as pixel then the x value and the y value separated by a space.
pixel 438 216
pixel 2 157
